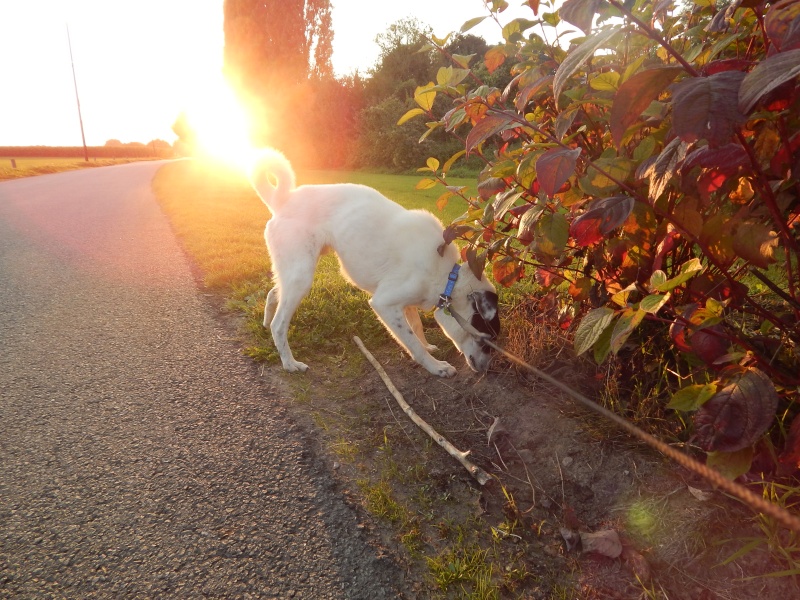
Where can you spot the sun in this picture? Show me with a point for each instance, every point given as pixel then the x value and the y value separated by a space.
pixel 221 126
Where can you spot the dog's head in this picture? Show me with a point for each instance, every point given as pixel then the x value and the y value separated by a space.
pixel 476 301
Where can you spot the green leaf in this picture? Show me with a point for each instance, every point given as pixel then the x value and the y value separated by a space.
pixel 432 163
pixel 692 397
pixel 768 75
pixel 657 278
pixel 602 347
pixel 504 201
pixel 635 95
pixel 410 115
pixel 463 60
pixel 448 76
pixel 605 82
pixel 628 321
pixel 688 270
pixel 591 328
pixel 426 184
pixel 731 464
pixel 551 235
pixel 471 23
pixel 652 304
pixel 579 56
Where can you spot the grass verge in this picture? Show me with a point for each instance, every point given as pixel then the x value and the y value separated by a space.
pixel 220 221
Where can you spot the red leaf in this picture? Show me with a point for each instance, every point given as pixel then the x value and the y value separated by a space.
pixel 767 76
pixel 710 182
pixel 728 158
pixel 555 167
pixel 737 415
pixel 707 346
pixel 603 216
pixel 730 64
pixel 487 127
pixel 491 186
pixel 506 272
pixel 635 95
pixel 525 94
pixel 782 23
pixel 707 107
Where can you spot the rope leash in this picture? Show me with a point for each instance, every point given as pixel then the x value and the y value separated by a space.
pixel 759 503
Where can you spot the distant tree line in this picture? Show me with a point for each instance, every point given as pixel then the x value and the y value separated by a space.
pixel 111 149
pixel 277 55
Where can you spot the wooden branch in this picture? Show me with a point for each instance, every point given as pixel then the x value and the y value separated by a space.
pixel 479 474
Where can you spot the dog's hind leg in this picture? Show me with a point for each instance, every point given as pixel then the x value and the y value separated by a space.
pixel 412 316
pixel 394 317
pixel 294 283
pixel 270 306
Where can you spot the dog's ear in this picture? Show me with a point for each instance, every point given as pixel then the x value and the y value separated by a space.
pixel 486 318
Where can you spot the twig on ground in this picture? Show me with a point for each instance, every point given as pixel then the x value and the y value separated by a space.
pixel 479 474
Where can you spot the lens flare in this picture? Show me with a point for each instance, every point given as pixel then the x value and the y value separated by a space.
pixel 221 126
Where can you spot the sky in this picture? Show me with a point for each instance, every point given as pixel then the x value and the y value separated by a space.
pixel 139 63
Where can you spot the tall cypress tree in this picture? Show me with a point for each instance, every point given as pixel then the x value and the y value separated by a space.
pixel 274 52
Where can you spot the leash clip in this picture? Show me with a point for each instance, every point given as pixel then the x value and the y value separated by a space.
pixel 445 299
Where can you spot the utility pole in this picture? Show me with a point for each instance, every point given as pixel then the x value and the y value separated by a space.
pixel 75 81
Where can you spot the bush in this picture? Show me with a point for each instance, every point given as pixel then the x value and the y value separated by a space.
pixel 646 175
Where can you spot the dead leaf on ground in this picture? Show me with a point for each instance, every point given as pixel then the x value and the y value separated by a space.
pixel 604 542
pixel 701 495
pixel 637 563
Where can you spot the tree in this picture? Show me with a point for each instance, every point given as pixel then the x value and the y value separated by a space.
pixel 274 52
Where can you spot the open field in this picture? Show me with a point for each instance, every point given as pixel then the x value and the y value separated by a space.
pixel 29 166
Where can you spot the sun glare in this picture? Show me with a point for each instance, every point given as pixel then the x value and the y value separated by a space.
pixel 221 126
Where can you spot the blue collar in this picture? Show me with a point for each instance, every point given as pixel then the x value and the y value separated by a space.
pixel 444 299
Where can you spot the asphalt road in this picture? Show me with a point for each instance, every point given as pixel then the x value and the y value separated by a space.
pixel 140 455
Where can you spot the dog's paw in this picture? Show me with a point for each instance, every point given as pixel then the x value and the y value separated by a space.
pixel 431 347
pixel 295 367
pixel 443 369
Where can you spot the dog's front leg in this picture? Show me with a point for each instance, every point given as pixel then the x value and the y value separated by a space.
pixel 394 317
pixel 412 316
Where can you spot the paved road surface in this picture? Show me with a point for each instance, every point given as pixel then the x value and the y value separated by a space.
pixel 140 455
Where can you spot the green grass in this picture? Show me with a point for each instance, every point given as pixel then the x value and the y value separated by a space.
pixel 27 167
pixel 220 221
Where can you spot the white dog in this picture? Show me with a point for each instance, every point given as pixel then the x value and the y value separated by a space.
pixel 388 251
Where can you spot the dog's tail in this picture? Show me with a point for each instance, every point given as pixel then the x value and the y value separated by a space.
pixel 273 178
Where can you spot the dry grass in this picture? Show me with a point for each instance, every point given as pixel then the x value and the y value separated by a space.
pixel 28 167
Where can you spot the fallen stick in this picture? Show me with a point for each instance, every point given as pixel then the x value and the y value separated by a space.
pixel 479 474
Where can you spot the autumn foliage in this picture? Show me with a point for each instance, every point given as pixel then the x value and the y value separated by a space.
pixel 643 167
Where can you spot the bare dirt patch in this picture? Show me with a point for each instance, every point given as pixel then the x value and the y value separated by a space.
pixel 558 473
